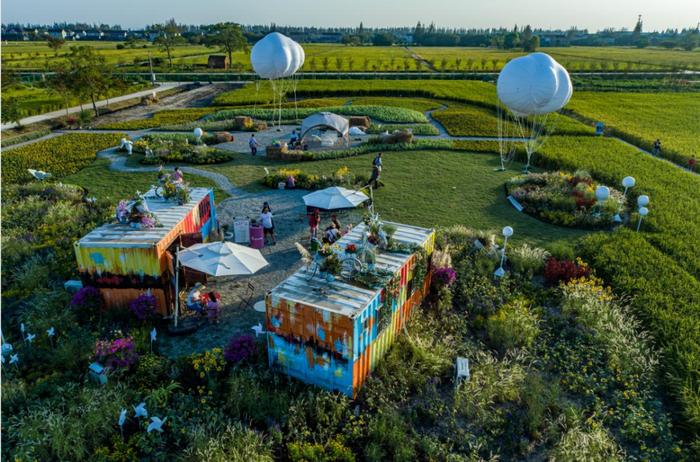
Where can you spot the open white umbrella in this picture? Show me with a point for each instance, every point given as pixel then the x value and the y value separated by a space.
pixel 222 259
pixel 219 259
pixel 335 197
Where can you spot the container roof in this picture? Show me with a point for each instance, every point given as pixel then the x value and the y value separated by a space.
pixel 169 214
pixel 340 296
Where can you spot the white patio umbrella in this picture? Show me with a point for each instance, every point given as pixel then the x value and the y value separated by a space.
pixel 335 197
pixel 218 259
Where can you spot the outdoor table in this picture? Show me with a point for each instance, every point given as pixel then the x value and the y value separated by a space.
pixel 259 306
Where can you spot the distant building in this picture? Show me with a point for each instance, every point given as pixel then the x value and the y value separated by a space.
pixel 218 62
pixel 115 35
pixel 57 33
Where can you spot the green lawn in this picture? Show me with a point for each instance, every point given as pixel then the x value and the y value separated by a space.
pixel 107 184
pixel 426 188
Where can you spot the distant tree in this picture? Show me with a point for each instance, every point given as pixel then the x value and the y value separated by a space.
pixel 383 39
pixel 532 45
pixel 86 74
pixel 169 38
pixel 338 63
pixel 326 60
pixel 229 37
pixel 637 32
pixel 132 42
pixel 11 112
pixel 55 43
pixel 690 40
pixel 511 40
pixel 527 33
pixel 352 39
pixel 443 64
pixel 494 64
pixel 418 34
pixel 351 63
pixel 458 63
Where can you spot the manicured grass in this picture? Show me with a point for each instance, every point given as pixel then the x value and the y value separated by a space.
pixel 382 113
pixel 426 188
pixel 641 118
pixel 467 120
pixel 113 186
pixel 469 91
pixel 418 104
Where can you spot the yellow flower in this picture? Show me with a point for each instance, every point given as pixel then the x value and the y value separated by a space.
pixel 201 375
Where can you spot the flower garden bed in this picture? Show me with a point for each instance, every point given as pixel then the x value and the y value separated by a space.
pixel 160 149
pixel 302 180
pixel 566 199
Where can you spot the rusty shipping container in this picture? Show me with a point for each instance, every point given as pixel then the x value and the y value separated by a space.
pixel 124 262
pixel 332 334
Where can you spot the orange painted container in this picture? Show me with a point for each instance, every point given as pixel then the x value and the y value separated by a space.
pixel 333 334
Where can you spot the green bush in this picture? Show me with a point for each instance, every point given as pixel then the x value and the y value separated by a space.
pixel 515 325
pixel 586 442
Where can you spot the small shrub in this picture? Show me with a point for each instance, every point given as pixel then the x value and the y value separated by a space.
pixel 87 299
pixel 586 443
pixel 239 349
pixel 119 353
pixel 527 260
pixel 556 271
pixel 144 307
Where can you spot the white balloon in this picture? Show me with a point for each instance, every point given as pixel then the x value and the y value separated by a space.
pixel 534 84
pixel 276 56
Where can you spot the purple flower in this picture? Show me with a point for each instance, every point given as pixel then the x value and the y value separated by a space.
pixel 239 348
pixel 148 222
pixel 87 298
pixel 144 306
pixel 119 353
pixel 445 276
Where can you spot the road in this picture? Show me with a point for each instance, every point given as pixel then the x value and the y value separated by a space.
pixel 102 103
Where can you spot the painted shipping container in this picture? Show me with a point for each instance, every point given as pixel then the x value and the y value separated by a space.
pixel 124 262
pixel 333 334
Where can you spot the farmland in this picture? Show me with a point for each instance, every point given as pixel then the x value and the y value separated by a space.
pixel 641 118
pixel 334 58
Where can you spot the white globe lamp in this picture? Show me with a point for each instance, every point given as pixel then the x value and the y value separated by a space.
pixel 628 182
pixel 507 232
pixel 643 200
pixel 643 211
pixel 602 193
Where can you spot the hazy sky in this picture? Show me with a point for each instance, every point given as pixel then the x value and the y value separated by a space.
pixel 591 14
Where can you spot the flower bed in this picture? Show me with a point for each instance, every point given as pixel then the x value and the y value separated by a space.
pixel 302 180
pixel 565 199
pixel 159 149
pixel 383 113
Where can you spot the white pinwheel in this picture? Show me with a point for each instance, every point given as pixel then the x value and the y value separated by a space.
pixel 30 337
pixel 258 329
pixel 140 410
pixel 156 424
pixel 51 332
pixel 14 359
pixel 122 417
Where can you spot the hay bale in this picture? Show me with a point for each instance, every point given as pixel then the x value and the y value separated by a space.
pixel 360 121
pixel 223 137
pixel 243 122
pixel 403 136
pixel 276 152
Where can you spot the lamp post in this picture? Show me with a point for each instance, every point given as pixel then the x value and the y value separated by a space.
pixel 507 232
pixel 643 211
pixel 198 132
pixel 628 182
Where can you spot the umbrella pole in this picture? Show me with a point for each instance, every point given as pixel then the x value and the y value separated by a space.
pixel 177 285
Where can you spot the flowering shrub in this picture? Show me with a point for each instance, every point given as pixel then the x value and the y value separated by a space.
pixel 239 348
pixel 87 298
pixel 556 271
pixel 116 354
pixel 445 276
pixel 143 307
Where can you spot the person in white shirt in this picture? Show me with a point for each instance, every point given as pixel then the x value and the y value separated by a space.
pixel 253 144
pixel 194 297
pixel 268 224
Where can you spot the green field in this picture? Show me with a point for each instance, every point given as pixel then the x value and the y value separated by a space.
pixel 641 118
pixel 37 99
pixel 341 58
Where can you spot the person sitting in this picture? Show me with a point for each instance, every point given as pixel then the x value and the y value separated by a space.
pixel 332 233
pixel 336 223
pixel 213 307
pixel 177 177
pixel 195 300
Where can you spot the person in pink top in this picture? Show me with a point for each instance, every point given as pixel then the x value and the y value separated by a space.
pixel 213 308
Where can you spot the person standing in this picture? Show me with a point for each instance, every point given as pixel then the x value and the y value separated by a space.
pixel 213 308
pixel 253 144
pixel 657 147
pixel 314 223
pixel 268 224
pixel 377 162
pixel 692 162
pixel 177 176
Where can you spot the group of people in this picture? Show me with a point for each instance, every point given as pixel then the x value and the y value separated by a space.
pixel 333 231
pixel 204 303
pixel 176 177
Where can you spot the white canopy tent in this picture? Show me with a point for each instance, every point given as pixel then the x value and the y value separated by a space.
pixel 218 259
pixel 334 198
pixel 325 120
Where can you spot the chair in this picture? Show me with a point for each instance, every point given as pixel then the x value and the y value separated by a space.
pixel 462 370
pixel 248 295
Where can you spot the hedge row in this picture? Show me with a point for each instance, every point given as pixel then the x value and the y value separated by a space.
pixel 383 113
pixel 168 117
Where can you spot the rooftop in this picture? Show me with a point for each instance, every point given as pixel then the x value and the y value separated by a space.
pixel 340 296
pixel 169 214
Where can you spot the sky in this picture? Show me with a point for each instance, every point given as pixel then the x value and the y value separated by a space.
pixel 562 14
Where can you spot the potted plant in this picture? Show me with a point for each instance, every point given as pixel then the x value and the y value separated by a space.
pixel 331 266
